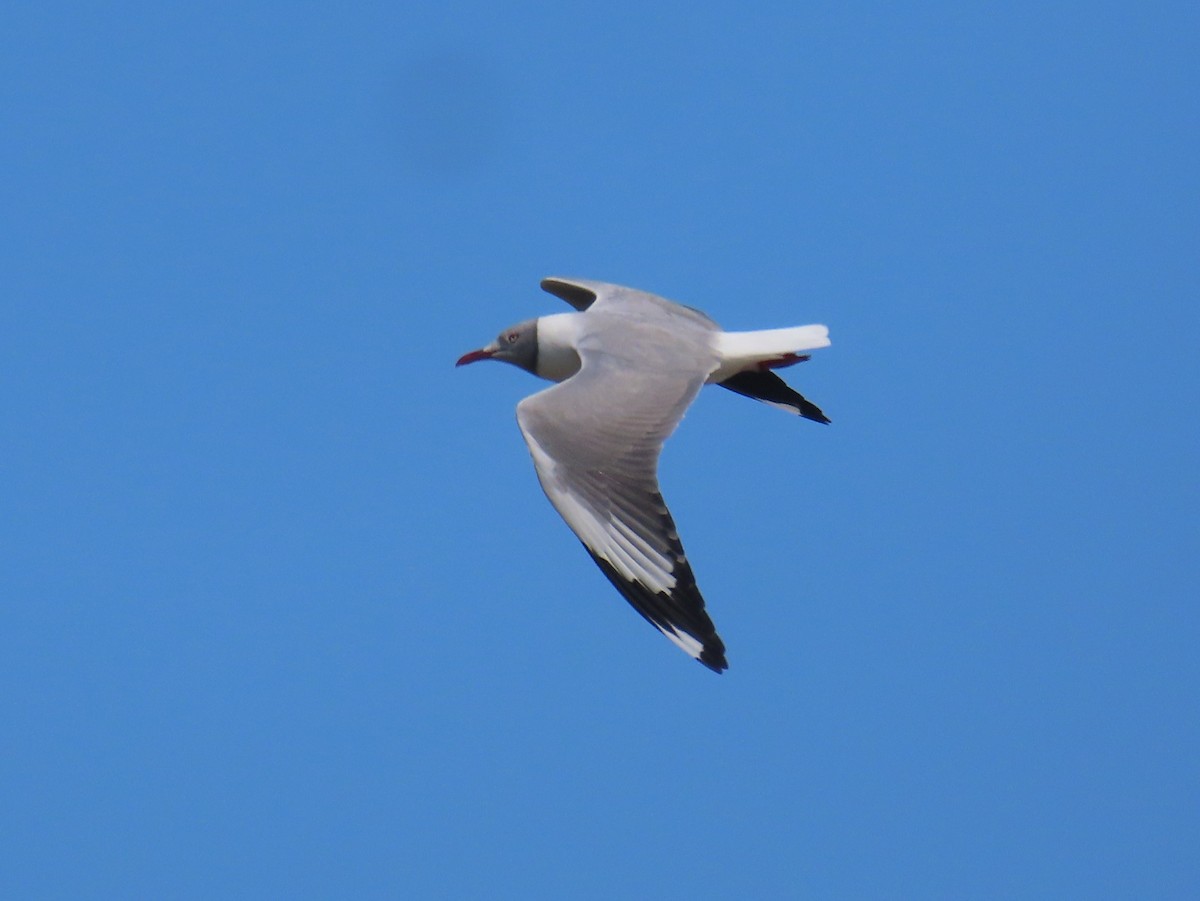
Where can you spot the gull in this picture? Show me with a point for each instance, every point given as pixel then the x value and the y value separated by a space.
pixel 627 365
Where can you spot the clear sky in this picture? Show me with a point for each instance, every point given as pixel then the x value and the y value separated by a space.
pixel 283 612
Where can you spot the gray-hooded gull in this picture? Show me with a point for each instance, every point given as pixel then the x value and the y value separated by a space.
pixel 628 364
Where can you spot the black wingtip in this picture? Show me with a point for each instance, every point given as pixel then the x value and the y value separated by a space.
pixel 813 412
pixel 681 611
pixel 576 295
pixel 764 385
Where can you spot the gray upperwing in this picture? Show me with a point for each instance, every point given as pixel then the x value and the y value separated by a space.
pixel 583 293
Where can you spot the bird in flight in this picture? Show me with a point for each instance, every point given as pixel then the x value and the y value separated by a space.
pixel 627 365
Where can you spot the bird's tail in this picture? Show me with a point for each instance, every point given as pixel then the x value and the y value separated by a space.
pixel 766 349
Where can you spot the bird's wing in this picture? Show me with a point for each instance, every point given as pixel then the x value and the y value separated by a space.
pixel 595 441
pixel 579 293
pixel 642 305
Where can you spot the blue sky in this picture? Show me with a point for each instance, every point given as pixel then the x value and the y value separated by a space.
pixel 283 612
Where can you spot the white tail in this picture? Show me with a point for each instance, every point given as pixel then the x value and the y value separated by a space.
pixel 761 349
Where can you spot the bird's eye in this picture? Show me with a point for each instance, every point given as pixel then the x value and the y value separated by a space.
pixel 511 337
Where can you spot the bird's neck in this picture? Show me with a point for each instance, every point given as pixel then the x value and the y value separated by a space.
pixel 557 358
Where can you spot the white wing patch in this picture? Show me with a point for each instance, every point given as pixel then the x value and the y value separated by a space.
pixel 690 645
pixel 786 408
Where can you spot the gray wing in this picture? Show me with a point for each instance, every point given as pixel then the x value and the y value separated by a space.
pixel 595 441
pixel 583 293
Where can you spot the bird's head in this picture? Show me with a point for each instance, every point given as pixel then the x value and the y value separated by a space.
pixel 517 344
